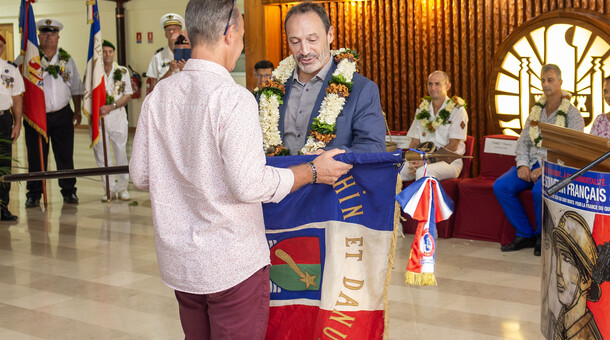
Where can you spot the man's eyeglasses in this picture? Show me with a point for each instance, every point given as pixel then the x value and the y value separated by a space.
pixel 229 20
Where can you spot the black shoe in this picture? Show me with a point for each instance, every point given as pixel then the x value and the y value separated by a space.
pixel 519 243
pixel 71 199
pixel 537 251
pixel 6 215
pixel 32 202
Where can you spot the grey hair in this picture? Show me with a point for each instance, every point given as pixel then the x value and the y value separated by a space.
pixel 306 7
pixel 206 20
pixel 443 73
pixel 553 67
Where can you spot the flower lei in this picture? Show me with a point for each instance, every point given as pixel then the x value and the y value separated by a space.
pixel 119 86
pixel 560 119
pixel 443 115
pixel 55 70
pixel 323 127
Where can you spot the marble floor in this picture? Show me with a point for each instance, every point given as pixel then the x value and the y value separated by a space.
pixel 89 271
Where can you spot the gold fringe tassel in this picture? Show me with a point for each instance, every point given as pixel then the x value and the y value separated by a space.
pixel 36 127
pixel 95 141
pixel 420 279
pixel 386 310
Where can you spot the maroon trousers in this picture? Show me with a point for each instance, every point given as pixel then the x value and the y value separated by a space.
pixel 240 312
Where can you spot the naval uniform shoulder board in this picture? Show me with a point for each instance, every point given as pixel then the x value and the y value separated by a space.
pixel 12 63
pixel 159 50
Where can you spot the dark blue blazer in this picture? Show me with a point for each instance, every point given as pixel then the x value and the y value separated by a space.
pixel 360 126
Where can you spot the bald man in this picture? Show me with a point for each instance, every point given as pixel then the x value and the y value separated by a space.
pixel 443 121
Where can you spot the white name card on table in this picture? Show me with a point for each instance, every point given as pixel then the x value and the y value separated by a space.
pixel 501 146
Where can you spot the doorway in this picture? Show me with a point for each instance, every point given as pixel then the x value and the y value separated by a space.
pixel 6 30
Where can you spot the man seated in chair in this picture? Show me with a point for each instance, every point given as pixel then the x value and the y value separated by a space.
pixel 553 107
pixel 442 121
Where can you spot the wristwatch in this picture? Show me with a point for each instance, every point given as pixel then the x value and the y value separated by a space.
pixel 114 105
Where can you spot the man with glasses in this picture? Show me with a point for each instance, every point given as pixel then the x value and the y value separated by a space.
pixel 207 177
pixel 162 64
pixel 262 72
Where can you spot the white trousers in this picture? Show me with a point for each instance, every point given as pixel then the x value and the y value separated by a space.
pixel 438 170
pixel 116 136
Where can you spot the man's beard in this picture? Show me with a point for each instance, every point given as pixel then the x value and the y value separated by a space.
pixel 312 67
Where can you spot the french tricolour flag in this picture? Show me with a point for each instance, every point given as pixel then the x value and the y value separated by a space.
pixel 426 202
pixel 95 85
pixel 331 249
pixel 33 102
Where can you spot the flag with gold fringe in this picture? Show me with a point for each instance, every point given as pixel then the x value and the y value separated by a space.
pixel 34 111
pixel 332 251
pixel 426 202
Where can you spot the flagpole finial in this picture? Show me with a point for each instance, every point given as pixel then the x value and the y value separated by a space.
pixel 89 4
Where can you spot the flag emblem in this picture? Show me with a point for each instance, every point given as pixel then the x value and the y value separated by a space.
pixel 427 243
pixel 296 264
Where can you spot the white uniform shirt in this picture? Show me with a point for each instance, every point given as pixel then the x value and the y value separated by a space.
pixel 159 64
pixel 58 91
pixel 11 84
pixel 123 87
pixel 456 128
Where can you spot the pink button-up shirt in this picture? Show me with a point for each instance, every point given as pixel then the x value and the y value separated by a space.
pixel 198 149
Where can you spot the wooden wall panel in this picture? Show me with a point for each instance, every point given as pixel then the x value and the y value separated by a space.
pixel 402 41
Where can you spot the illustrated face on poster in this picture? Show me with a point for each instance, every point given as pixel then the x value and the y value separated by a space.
pixel 568 279
pixel 550 302
pixel 575 255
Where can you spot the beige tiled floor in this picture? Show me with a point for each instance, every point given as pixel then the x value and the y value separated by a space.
pixel 89 272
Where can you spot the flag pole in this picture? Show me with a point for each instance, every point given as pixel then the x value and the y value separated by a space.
pixel 105 159
pixel 66 173
pixel 44 183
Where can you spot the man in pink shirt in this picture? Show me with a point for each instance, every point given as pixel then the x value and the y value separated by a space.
pixel 198 150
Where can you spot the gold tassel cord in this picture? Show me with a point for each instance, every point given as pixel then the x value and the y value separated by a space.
pixel 386 310
pixel 420 279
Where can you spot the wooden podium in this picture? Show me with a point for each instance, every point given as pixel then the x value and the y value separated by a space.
pixel 575 237
pixel 573 148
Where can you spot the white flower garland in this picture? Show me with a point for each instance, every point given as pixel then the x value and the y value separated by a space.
pixel 560 119
pixel 331 107
pixel 56 70
pixel 45 64
pixel 118 84
pixel 442 117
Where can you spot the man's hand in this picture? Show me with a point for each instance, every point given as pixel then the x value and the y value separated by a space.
pixel 523 172
pixel 181 64
pixel 76 119
pixel 16 130
pixel 173 66
pixel 329 170
pixel 414 165
pixel 104 110
pixel 535 174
